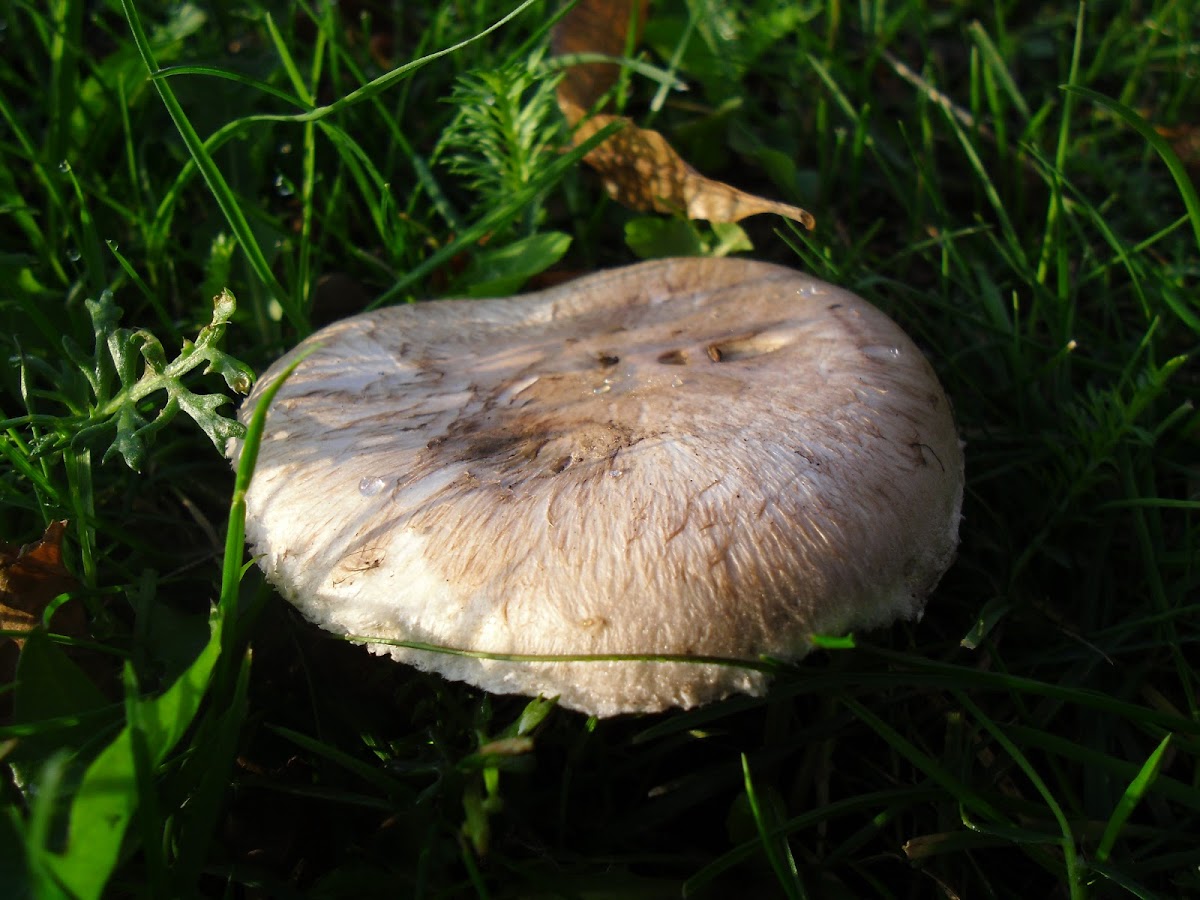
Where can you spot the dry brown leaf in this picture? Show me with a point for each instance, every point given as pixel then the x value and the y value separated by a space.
pixel 593 26
pixel 30 578
pixel 639 167
pixel 1185 141
pixel 642 171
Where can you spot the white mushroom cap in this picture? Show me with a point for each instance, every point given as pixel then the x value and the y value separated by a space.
pixel 698 456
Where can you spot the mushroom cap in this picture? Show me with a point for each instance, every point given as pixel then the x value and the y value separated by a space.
pixel 710 457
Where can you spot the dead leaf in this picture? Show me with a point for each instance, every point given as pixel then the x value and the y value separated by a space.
pixel 1185 141
pixel 640 169
pixel 594 26
pixel 30 578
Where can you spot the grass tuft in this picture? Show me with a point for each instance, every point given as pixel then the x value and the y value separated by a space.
pixel 1015 184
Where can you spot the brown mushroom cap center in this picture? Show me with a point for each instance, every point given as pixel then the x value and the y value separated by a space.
pixel 582 392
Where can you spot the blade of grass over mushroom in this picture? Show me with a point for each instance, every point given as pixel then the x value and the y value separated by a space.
pixel 235 533
pixel 760 665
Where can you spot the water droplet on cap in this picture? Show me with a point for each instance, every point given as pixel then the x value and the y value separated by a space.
pixel 371 485
pixel 881 353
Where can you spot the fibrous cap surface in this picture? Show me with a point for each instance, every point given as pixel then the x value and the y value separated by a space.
pixel 700 457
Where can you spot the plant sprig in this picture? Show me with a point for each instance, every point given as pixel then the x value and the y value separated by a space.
pixel 127 366
pixel 506 128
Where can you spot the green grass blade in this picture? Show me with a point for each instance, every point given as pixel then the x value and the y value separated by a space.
pixel 235 534
pixel 383 82
pixel 1130 799
pixel 236 77
pixel 1082 757
pixel 216 746
pixel 108 795
pixel 783 864
pixel 498 217
pixel 1074 875
pixel 217 184
pixel 380 782
pixel 1052 238
pixel 996 63
pixel 38 832
pixel 1183 181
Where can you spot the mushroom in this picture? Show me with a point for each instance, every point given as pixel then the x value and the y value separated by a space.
pixel 688 457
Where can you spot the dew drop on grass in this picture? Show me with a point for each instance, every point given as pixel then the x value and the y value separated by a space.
pixel 73 255
pixel 283 186
pixel 64 167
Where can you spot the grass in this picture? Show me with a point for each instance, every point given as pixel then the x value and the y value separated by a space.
pixel 1013 183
